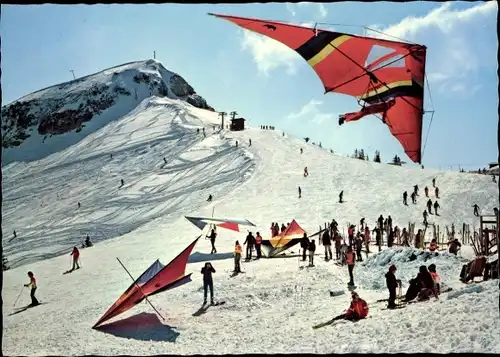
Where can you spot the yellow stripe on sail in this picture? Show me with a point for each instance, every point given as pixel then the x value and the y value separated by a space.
pixel 325 52
pixel 385 88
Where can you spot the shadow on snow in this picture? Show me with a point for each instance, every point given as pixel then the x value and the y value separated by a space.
pixel 205 257
pixel 142 327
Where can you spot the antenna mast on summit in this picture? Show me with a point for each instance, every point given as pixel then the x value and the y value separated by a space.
pixel 73 72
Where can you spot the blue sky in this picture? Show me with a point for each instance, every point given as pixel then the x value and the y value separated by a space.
pixel 266 83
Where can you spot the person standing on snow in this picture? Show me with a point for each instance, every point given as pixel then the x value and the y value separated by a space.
pixel 426 190
pixel 357 310
pixel 306 172
pixel 304 244
pixel 414 198
pixel 258 242
pixel 436 206
pixel 436 192
pixel 338 240
pixel 434 182
pixel 76 254
pixel 392 284
pixel 300 192
pixel 327 242
pixel 359 246
pixel 249 142
pixel 476 210
pixel 367 239
pixel 415 189
pixel 341 196
pixel 350 260
pixel 389 223
pixel 429 206
pixel 249 242
pixel 32 284
pixel 207 271
pixel 425 218
pixel 212 237
pixel 405 198
pixel 237 257
pixel 311 248
pixel 350 234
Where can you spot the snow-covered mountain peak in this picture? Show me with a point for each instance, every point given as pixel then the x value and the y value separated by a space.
pixel 54 118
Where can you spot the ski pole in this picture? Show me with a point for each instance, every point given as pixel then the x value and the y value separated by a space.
pixel 18 296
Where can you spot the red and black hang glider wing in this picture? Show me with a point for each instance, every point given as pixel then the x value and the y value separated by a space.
pixel 341 62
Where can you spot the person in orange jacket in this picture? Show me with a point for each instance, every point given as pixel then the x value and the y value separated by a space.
pixel 76 254
pixel 32 284
pixel 357 310
pixel 237 257
pixel 258 242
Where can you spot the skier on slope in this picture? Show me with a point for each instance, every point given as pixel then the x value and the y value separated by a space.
pixel 405 198
pixel 210 198
pixel 476 210
pixel 327 242
pixel 415 189
pixel 88 243
pixel 164 160
pixel 249 242
pixel 208 282
pixel 237 257
pixel 212 237
pixel 367 239
pixel 304 244
pixel 390 238
pixel 341 196
pixel 350 234
pixel 357 310
pixel 301 150
pixel 249 142
pixel 414 198
pixel 300 192
pixel 425 218
pixel 122 182
pixel 76 255
pixel 350 259
pixel 389 222
pixel 392 284
pixel 426 190
pixel 32 284
pixel 306 173
pixel 434 182
pixel 378 236
pixel 343 251
pixel 436 206
pixel 436 192
pixel 380 222
pixel 79 205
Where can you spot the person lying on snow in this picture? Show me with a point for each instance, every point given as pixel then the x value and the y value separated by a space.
pixel 207 271
pixel 358 309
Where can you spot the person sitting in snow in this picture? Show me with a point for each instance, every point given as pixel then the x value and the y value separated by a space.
pixel 392 284
pixel 88 243
pixel 433 246
pixel 357 310
pixel 208 282
pixel 435 277
pixel 237 257
pixel 454 246
pixel 76 255
pixel 428 287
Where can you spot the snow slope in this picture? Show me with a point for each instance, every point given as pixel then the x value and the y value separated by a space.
pixel 52 119
pixel 257 182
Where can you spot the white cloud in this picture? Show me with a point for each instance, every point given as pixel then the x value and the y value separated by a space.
pixel 453 56
pixel 294 7
pixel 312 113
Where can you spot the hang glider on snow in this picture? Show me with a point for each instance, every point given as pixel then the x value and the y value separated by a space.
pixel 156 279
pixel 390 86
pixel 288 238
pixel 232 224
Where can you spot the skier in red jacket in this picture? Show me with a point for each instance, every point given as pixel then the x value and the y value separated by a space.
pixel 76 254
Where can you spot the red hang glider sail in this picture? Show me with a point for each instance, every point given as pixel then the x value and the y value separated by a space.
pixel 341 62
pixel 157 278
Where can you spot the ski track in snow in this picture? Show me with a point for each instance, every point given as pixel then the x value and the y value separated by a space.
pixel 143 221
